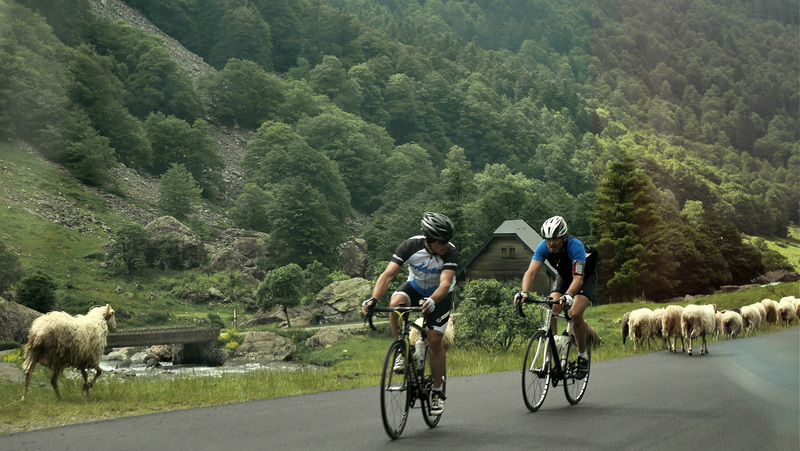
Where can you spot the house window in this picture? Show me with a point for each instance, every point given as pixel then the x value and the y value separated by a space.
pixel 508 253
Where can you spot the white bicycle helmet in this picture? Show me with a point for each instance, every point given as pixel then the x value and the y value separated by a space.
pixel 554 227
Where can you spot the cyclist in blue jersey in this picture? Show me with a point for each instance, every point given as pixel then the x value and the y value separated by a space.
pixel 575 283
pixel 432 263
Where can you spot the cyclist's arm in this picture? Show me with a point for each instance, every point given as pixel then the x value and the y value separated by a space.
pixel 445 281
pixel 385 279
pixel 575 285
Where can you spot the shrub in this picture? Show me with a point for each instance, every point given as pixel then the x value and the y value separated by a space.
pixel 487 317
pixel 37 291
pixel 10 271
pixel 215 320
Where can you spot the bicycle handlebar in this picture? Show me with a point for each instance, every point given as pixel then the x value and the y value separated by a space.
pixel 373 308
pixel 548 301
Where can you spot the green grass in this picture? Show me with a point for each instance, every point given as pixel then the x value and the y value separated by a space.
pixel 354 362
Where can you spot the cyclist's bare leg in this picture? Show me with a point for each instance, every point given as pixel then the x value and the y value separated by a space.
pixel 398 300
pixel 437 356
pixel 578 324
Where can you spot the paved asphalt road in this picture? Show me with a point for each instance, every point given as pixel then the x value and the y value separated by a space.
pixel 744 395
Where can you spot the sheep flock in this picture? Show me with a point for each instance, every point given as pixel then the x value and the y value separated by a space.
pixel 59 341
pixel 703 322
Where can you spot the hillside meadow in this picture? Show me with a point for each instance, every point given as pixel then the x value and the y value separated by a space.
pixel 354 362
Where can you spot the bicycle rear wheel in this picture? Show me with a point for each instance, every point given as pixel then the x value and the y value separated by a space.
pixel 432 420
pixel 575 388
pixel 536 371
pixel 395 393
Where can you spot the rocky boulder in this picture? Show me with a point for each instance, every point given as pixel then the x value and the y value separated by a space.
pixel 184 245
pixel 340 301
pixel 15 321
pixel 325 338
pixel 237 249
pixel 298 317
pixel 263 347
pixel 354 257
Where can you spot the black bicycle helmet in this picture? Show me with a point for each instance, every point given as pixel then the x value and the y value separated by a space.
pixel 554 227
pixel 436 226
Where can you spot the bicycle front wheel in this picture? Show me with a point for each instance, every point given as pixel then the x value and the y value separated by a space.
pixel 575 388
pixel 395 393
pixel 536 371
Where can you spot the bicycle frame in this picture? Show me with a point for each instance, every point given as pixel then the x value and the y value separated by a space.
pixel 405 324
pixel 555 355
pixel 544 363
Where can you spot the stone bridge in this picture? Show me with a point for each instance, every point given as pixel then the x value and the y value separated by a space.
pixel 149 336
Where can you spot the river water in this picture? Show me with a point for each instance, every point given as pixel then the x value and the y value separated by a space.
pixel 135 367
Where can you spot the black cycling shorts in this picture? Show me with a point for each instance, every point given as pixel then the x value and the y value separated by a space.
pixel 588 288
pixel 439 318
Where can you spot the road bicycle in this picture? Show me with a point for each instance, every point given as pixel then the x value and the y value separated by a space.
pixel 400 391
pixel 552 359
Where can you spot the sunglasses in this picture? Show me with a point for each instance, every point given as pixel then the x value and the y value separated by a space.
pixel 442 242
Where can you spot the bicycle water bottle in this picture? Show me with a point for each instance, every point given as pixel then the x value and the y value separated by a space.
pixel 561 344
pixel 420 354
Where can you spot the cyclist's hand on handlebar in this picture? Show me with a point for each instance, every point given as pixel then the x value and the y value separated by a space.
pixel 427 305
pixel 520 297
pixel 567 300
pixel 366 304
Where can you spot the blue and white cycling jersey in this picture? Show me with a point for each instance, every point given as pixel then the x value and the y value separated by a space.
pixel 425 268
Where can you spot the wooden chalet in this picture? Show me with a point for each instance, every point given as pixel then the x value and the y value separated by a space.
pixel 507 255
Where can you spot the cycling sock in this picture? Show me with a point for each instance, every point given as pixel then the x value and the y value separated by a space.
pixel 583 355
pixel 437 389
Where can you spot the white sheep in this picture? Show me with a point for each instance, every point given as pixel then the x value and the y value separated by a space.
pixel 671 327
pixel 447 339
pixel 625 327
pixel 717 326
pixel 751 317
pixel 639 326
pixel 786 311
pixel 762 311
pixel 795 301
pixel 772 310
pixel 732 323
pixel 657 327
pixel 58 340
pixel 698 321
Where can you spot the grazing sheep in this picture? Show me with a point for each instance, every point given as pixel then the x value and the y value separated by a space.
pixel 795 301
pixel 657 326
pixel 625 327
pixel 786 312
pixel 671 327
pixel 762 311
pixel 594 337
pixel 698 321
pixel 772 310
pixel 751 317
pixel 640 326
pixel 732 323
pixel 717 326
pixel 447 339
pixel 58 340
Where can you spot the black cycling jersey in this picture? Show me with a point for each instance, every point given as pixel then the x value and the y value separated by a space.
pixel 425 268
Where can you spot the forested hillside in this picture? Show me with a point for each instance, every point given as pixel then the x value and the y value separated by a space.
pixel 662 130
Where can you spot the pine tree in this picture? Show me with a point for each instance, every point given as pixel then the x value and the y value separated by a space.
pixel 178 192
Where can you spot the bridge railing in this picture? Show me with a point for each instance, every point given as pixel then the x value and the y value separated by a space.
pixel 148 336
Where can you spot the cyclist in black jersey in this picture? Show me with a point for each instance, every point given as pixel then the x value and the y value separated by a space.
pixel 432 263
pixel 575 284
